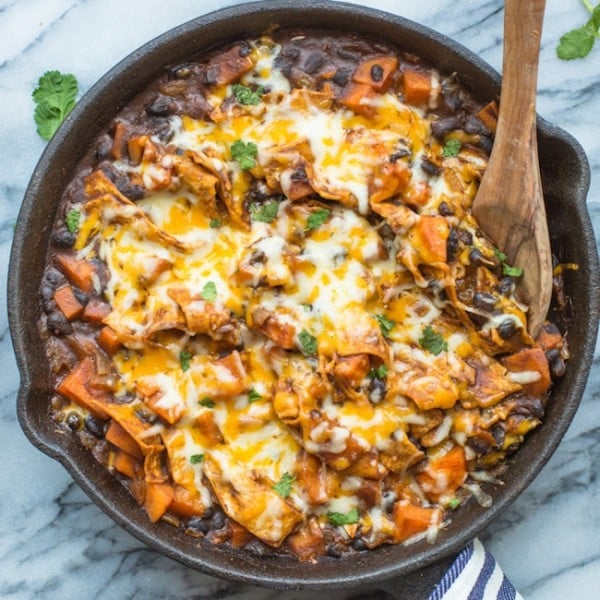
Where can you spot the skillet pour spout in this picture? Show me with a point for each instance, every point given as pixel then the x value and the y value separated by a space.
pixel 565 179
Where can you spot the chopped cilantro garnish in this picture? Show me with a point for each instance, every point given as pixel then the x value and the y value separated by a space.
pixel 336 518
pixel 72 220
pixel 317 218
pixel 206 402
pixel 214 223
pixel 378 373
pixel 196 458
pixel 511 271
pixel 385 324
pixel 54 98
pixel 209 291
pixel 284 486
pixel 244 153
pixel 499 254
pixel 453 503
pixel 309 343
pixel 253 395
pixel 184 359
pixel 579 42
pixel 244 95
pixel 432 341
pixel 266 212
pixel 452 148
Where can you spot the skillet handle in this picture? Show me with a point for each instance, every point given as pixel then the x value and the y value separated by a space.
pixel 417 585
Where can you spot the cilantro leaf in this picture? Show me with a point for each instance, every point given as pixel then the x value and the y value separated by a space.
pixel 453 503
pixel 576 43
pixel 253 396
pixel 336 518
pixel 452 148
pixel 72 220
pixel 244 153
pixel 284 486
pixel 511 271
pixel 499 254
pixel 378 373
pixel 196 458
pixel 266 212
pixel 184 360
pixel 309 343
pixel 244 95
pixel 207 402
pixel 386 325
pixel 209 291
pixel 432 341
pixel 54 98
pixel 214 223
pixel 317 218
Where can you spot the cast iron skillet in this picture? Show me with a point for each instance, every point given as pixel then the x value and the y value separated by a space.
pixel 565 175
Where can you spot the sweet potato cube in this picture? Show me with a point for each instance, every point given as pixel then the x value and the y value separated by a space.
pixel 67 302
pixel 376 72
pixel 530 363
pixel 117 436
pixel 411 520
pixel 78 272
pixel 186 504
pixel 444 475
pixel 108 340
pixel 96 311
pixel 158 499
pixel 127 465
pixel 416 87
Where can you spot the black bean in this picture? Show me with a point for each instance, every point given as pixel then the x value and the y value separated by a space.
pixel 445 209
pixel 475 257
pixel 441 127
pixel 498 432
pixel 430 168
pixel 474 125
pixel 94 426
pixel 53 276
pixel 245 49
pixel 208 513
pixel 484 301
pixel 73 420
pixel 359 544
pixel 82 297
pixel 558 367
pixel 451 92
pixel 145 415
pixel 46 291
pixel 198 524
pixel 552 354
pixel 551 328
pixel 465 236
pixel 313 62
pixel 377 390
pixel 486 143
pixel 481 445
pixel 400 153
pixel 290 53
pixel 63 238
pixel 348 54
pixel 334 550
pixel 341 77
pixel 299 174
pixel 161 106
pixel 133 191
pixel 506 286
pixel 103 149
pixel 211 75
pixel 58 323
pixel 218 520
pixel 376 72
pixel 507 329
pixel 452 244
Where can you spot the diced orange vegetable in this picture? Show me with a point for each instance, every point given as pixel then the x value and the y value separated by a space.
pixel 530 361
pixel 376 72
pixel 186 504
pixel 431 234
pixel 416 87
pixel 207 426
pixel 388 180
pixel 411 520
pixel 357 97
pixel 158 499
pixel 78 272
pixel 96 311
pixel 116 435
pixel 67 302
pixel 229 66
pixel 118 146
pixel 549 337
pixel 488 115
pixel 307 542
pixel 108 340
pixel 444 475
pixel 240 536
pixel 127 465
pixel 74 387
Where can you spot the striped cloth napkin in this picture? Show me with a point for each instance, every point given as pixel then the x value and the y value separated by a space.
pixel 475 575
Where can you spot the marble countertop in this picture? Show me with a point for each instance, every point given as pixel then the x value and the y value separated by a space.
pixel 54 543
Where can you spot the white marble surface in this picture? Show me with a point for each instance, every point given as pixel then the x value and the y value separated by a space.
pixel 54 543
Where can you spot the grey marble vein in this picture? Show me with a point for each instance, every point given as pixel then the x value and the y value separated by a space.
pixel 56 544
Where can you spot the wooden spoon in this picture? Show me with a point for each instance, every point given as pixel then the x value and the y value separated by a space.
pixel 509 204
